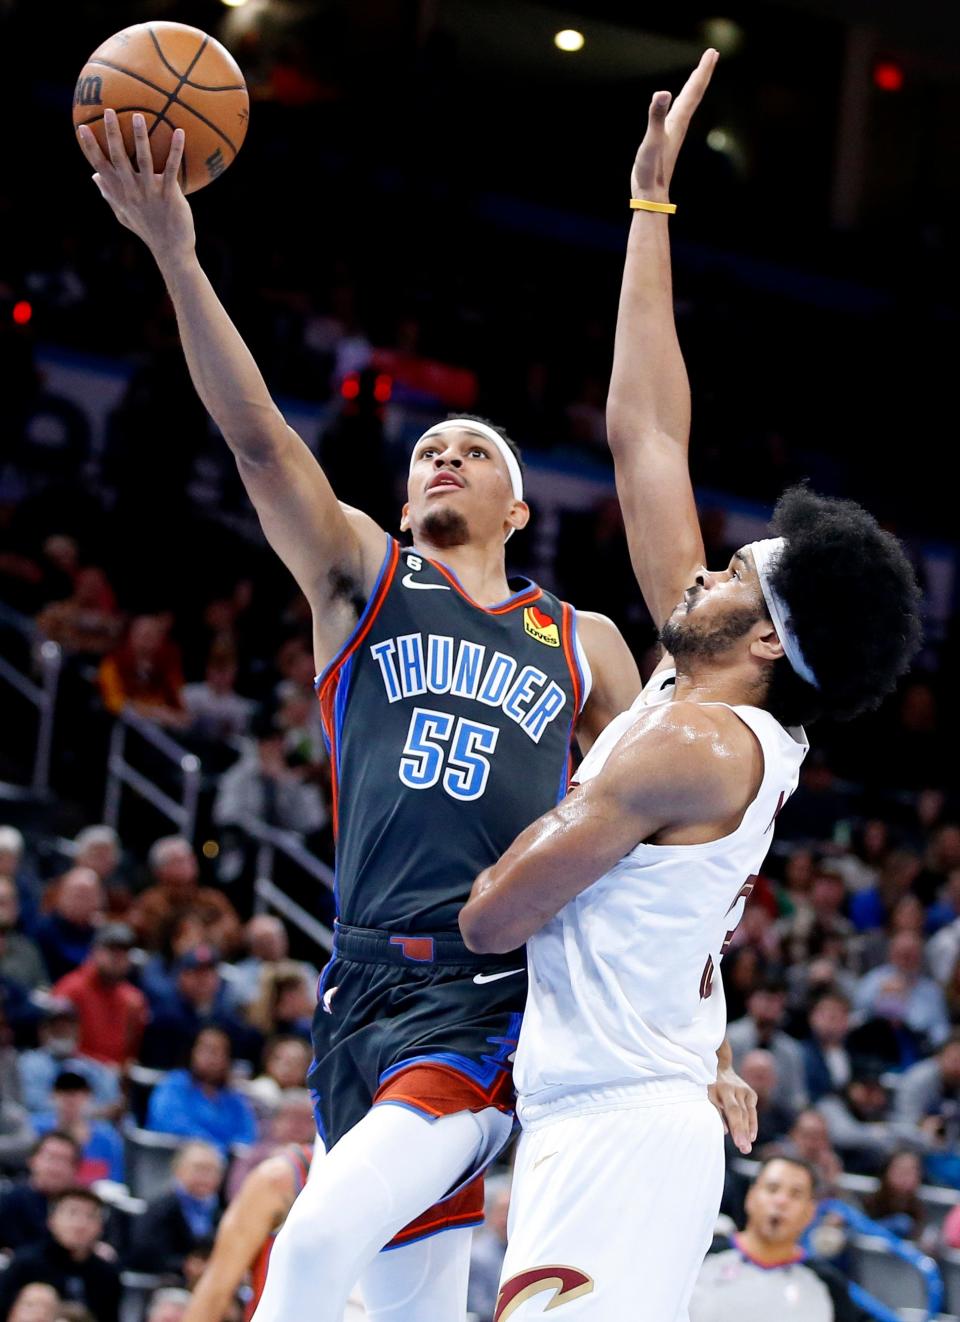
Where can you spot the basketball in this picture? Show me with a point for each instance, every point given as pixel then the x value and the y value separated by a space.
pixel 177 77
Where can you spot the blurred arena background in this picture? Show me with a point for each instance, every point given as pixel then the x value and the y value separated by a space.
pixel 429 213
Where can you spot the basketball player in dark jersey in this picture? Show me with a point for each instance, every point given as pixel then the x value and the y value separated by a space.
pixel 449 696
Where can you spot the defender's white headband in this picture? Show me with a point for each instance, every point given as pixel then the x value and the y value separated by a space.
pixel 468 424
pixel 766 553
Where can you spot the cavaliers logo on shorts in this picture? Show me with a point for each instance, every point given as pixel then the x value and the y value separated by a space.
pixel 567 1282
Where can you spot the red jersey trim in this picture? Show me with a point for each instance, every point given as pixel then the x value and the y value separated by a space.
pixel 525 598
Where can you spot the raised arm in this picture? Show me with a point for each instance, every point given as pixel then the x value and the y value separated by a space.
pixel 332 552
pixel 648 407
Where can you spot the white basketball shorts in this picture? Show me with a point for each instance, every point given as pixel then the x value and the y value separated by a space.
pixel 615 1196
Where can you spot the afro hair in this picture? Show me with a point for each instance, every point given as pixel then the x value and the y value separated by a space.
pixel 854 605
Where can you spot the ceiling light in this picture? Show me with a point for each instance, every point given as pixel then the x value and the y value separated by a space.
pixel 569 40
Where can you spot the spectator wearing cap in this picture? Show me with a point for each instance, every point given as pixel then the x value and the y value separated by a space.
pixel 186 1215
pixel 58 1050
pixel 20 958
pixel 66 933
pixel 928 1108
pixel 199 1000
pixel 101 1147
pixel 176 893
pixel 112 1012
pixel 67 1259
pixel 900 993
pixel 198 1101
pixel 53 1164
pixel 760 1027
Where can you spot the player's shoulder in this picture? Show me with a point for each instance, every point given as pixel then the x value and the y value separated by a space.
pixel 690 729
pixel 275 1176
pixel 606 647
pixel 692 751
pixel 599 628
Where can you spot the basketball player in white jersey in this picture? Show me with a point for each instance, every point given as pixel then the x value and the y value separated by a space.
pixel 628 892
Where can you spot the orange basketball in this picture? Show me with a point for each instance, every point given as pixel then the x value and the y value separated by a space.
pixel 177 77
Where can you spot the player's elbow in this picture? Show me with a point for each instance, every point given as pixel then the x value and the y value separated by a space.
pixel 481 931
pixel 622 424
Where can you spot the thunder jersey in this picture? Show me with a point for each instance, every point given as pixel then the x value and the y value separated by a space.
pixel 624 980
pixel 449 728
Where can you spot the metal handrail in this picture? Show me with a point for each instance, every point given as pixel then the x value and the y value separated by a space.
pixel 183 814
pixel 48 655
pixel 267 894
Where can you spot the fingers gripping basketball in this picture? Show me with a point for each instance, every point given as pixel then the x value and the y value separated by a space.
pixel 176 77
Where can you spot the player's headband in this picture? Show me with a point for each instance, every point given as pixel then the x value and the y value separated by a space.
pixel 766 553
pixel 469 424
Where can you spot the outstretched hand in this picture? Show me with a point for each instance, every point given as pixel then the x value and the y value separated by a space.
pixel 737 1103
pixel 666 129
pixel 150 204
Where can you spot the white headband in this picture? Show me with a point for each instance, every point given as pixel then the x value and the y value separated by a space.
pixel 766 553
pixel 469 424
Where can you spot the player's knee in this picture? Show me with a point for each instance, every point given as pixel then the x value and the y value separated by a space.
pixel 313 1234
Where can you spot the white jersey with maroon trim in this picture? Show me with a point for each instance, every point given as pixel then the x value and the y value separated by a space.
pixel 624 981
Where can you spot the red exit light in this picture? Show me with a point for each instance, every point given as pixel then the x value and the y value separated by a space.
pixel 22 312
pixel 888 76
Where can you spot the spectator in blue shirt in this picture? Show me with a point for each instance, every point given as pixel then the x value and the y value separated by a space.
pixel 198 1103
pixel 100 1145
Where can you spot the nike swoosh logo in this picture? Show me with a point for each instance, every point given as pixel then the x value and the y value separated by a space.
pixel 409 582
pixel 541 1160
pixel 481 978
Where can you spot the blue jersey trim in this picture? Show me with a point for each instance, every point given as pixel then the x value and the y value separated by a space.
pixel 331 665
pixel 574 637
pixel 483 1072
pixel 318 1118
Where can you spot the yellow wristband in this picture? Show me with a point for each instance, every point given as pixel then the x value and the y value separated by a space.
pixel 641 204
